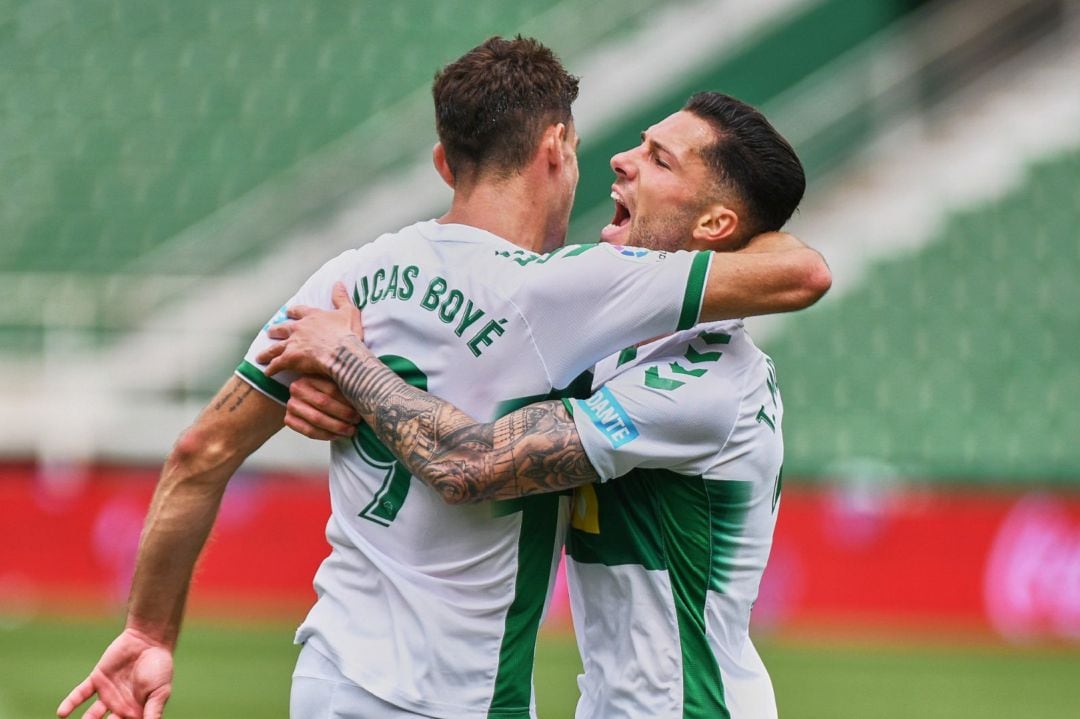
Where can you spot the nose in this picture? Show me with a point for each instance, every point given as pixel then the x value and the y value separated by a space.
pixel 623 165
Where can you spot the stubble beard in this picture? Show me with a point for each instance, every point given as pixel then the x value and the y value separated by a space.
pixel 668 233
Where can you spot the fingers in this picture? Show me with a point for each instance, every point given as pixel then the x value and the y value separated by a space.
pixel 299 312
pixel 323 395
pixel 279 364
pixel 340 406
pixel 300 426
pixel 340 296
pixel 295 361
pixel 78 695
pixel 96 710
pixel 155 704
pixel 319 418
pixel 270 352
pixel 281 331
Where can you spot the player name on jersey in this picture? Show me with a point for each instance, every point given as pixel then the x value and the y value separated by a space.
pixel 451 305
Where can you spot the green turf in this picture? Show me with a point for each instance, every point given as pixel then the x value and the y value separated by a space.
pixel 222 671
pixel 226 671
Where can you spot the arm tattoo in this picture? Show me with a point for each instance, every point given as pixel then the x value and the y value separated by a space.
pixel 235 396
pixel 534 449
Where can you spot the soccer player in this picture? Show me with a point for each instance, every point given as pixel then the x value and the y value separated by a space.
pixel 664 563
pixel 426 610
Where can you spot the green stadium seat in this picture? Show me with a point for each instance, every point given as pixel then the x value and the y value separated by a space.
pixel 954 361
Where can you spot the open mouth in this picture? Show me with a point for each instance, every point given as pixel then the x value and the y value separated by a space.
pixel 620 223
pixel 622 213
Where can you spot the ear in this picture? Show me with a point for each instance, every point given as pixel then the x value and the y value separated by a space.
pixel 438 157
pixel 553 144
pixel 718 225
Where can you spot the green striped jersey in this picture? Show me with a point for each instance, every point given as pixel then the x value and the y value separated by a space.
pixel 665 561
pixel 432 607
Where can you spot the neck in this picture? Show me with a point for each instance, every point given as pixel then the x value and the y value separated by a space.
pixel 511 209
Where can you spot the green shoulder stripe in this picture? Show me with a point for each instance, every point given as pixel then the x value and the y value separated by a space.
pixel 271 387
pixel 695 290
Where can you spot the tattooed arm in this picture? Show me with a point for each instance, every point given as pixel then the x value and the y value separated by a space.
pixel 534 449
pixel 134 675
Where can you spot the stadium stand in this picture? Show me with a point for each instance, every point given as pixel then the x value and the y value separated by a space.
pixel 160 161
pixel 130 123
pixel 952 361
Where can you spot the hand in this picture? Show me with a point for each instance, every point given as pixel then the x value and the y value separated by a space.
pixel 317 409
pixel 133 680
pixel 312 339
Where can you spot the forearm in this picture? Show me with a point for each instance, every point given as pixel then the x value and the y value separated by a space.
pixel 775 273
pixel 186 501
pixel 535 449
pixel 178 523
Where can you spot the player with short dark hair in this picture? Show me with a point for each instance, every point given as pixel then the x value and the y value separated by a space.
pixel 751 160
pixel 493 103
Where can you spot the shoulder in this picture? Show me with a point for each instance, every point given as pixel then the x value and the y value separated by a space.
pixel 596 268
pixel 697 379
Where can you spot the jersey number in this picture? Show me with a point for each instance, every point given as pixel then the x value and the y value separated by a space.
pixel 390 496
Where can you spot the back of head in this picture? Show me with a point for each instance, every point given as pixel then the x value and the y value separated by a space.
pixel 493 103
pixel 751 159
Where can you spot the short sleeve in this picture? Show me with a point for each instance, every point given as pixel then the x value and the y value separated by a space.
pixel 315 292
pixel 584 302
pixel 627 424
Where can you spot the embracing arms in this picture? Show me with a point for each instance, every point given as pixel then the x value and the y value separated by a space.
pixel 534 449
pixel 531 450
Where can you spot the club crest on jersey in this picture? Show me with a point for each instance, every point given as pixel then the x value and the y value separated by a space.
pixel 636 254
pixel 609 417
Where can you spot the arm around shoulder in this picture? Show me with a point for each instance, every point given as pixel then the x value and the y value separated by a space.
pixel 532 450
pixel 775 272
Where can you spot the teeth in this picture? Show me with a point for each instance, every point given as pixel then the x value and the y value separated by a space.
pixel 614 196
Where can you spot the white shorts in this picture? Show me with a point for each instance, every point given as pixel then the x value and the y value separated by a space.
pixel 319 691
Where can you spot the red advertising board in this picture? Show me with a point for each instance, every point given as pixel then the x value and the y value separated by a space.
pixel 904 558
pixel 71 540
pixel 888 558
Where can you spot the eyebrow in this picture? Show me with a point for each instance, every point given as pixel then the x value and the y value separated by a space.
pixel 659 147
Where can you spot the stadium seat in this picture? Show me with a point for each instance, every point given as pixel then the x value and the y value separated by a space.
pixel 941 361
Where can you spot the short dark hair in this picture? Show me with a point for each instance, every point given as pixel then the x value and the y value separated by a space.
pixel 751 158
pixel 493 103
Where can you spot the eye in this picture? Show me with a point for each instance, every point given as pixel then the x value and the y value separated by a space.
pixel 661 163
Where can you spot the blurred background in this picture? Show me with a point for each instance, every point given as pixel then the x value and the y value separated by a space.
pixel 171 172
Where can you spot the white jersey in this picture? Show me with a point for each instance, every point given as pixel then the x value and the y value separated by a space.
pixel 664 563
pixel 432 607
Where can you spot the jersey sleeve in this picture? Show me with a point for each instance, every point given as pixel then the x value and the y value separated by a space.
pixel 584 302
pixel 315 292
pixel 638 420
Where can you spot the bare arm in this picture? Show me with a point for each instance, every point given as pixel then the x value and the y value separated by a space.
pixel 775 272
pixel 134 675
pixel 236 423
